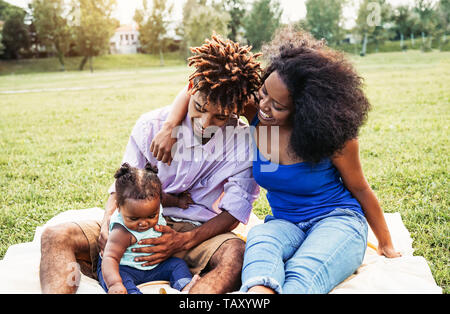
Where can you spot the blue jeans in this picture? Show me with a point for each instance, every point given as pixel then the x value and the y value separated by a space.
pixel 173 269
pixel 308 257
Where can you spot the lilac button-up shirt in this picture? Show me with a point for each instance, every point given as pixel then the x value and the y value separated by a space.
pixel 222 166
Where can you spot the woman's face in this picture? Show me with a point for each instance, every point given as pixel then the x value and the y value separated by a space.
pixel 275 103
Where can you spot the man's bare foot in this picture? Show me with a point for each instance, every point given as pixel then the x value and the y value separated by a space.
pixel 189 285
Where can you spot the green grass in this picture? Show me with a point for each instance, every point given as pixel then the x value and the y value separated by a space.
pixel 60 146
pixel 104 62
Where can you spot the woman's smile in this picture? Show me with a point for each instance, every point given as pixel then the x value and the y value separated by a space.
pixel 264 116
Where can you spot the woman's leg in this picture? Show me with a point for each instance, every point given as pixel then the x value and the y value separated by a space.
pixel 333 249
pixel 268 246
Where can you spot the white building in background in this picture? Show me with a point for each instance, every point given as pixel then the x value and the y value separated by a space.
pixel 125 40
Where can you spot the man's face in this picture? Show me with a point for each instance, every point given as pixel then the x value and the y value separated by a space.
pixel 205 118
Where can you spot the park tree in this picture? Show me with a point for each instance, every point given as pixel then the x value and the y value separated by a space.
pixel 203 22
pixel 428 21
pixel 153 22
pixel 443 12
pixel 262 21
pixel 93 27
pixel 51 21
pixel 15 35
pixel 324 19
pixel 236 9
pixel 2 48
pixel 372 22
pixel 404 22
pixel 196 11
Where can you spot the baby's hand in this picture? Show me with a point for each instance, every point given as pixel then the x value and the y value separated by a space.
pixel 184 200
pixel 117 288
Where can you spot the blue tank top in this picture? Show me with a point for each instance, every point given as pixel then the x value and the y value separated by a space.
pixel 301 191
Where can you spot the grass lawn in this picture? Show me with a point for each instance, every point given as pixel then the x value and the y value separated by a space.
pixel 62 135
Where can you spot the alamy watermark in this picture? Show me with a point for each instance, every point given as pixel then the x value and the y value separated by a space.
pixel 231 144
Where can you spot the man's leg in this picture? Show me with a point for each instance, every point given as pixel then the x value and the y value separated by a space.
pixel 61 246
pixel 224 269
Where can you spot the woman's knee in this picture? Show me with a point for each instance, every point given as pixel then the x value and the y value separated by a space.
pixel 277 231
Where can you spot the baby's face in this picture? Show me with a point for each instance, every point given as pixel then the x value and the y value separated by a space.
pixel 140 215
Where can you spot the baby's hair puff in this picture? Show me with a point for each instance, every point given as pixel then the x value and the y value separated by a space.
pixel 137 184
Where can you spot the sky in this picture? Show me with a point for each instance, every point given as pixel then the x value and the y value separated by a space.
pixel 293 10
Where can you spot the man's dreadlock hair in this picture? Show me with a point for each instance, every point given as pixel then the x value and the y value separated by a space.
pixel 226 73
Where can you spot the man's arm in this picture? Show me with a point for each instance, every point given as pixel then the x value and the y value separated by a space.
pixel 110 208
pixel 239 193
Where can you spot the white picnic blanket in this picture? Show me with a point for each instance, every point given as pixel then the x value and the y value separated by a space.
pixel 19 269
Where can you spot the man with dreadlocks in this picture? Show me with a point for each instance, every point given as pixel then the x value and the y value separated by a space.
pixel 203 198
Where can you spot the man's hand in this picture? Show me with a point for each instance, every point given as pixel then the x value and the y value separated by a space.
pixel 169 243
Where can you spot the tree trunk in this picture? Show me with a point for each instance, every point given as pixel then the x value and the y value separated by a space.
pixel 61 61
pixel 90 64
pixel 83 63
pixel 364 46
pixel 161 57
pixel 402 42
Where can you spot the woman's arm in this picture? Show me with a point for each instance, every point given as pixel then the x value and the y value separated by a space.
pixel 118 241
pixel 349 166
pixel 162 143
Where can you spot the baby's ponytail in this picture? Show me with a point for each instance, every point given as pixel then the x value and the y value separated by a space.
pixel 123 170
pixel 150 168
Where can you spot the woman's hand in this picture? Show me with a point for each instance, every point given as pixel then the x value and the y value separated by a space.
pixel 162 143
pixel 117 288
pixel 388 251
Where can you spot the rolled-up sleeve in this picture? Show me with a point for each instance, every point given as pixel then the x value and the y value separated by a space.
pixel 240 192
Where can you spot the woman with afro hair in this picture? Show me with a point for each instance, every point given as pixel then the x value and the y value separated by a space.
pixel 311 104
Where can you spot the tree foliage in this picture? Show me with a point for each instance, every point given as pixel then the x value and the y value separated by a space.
pixel 51 20
pixel 15 35
pixel 262 21
pixel 324 19
pixel 93 27
pixel 153 21
pixel 203 22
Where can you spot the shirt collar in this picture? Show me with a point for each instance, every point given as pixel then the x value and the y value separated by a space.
pixel 191 141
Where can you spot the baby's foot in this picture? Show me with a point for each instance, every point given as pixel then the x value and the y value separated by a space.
pixel 191 284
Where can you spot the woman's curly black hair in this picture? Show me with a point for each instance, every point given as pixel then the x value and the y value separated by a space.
pixel 330 105
pixel 137 184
